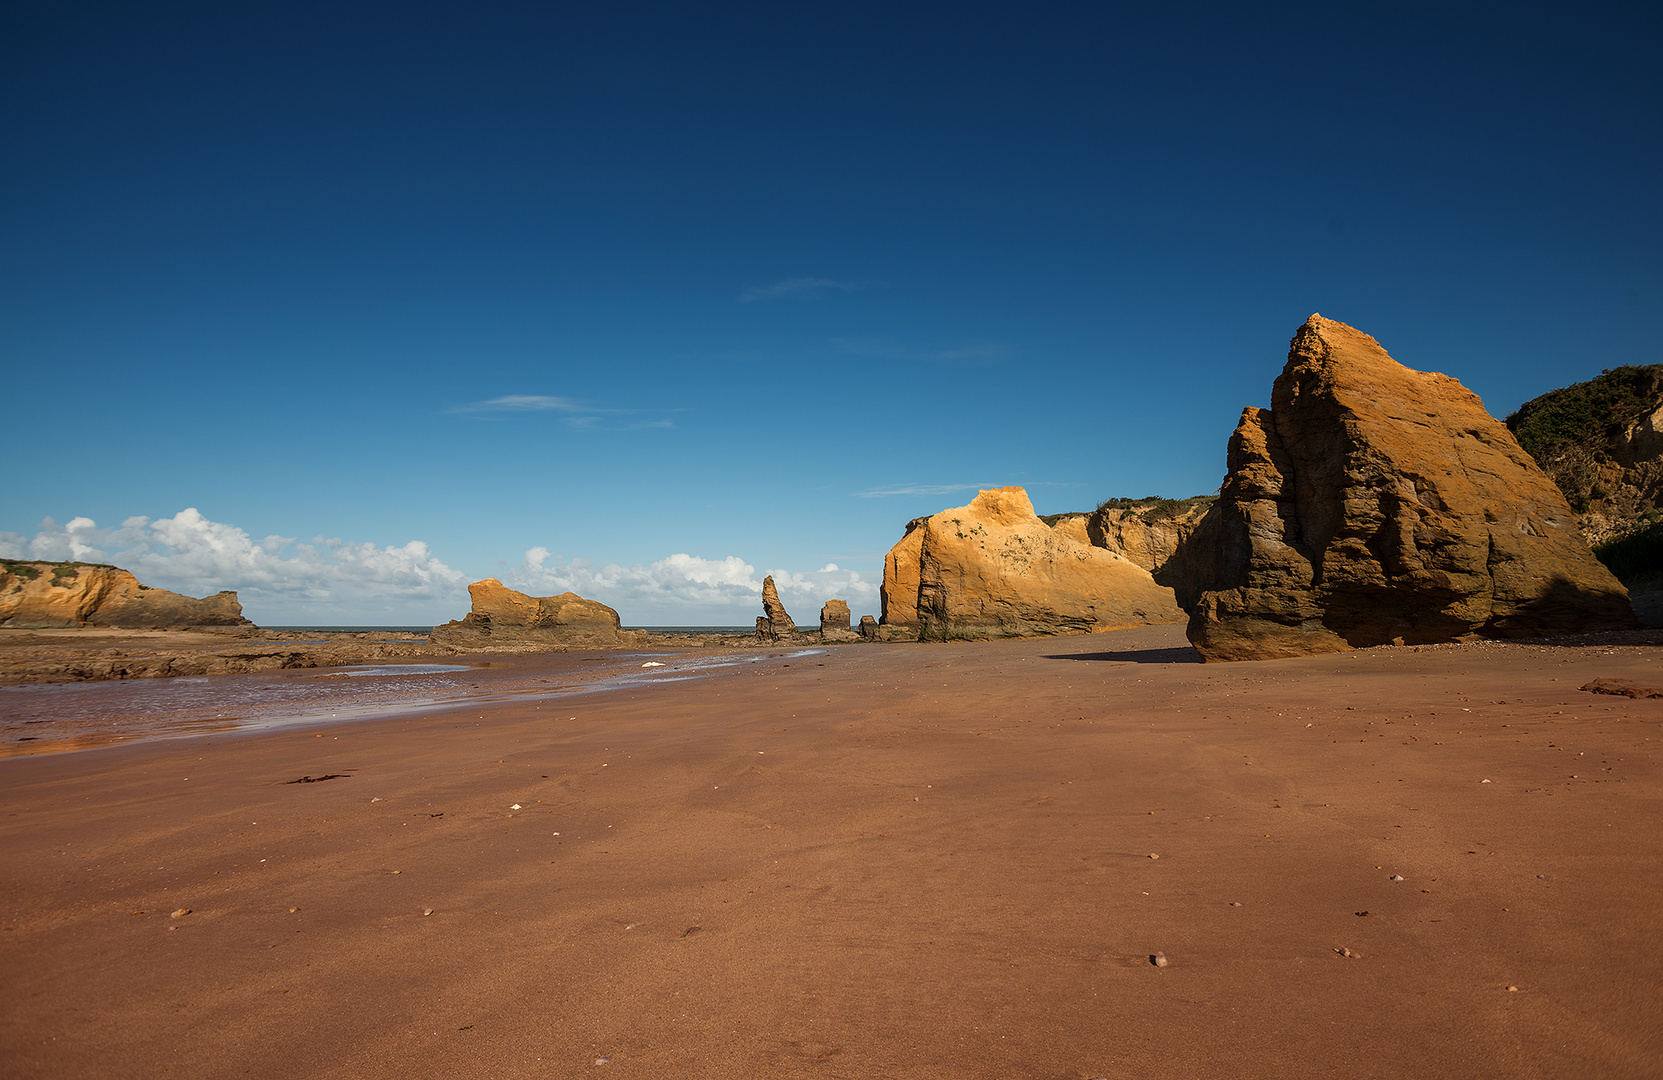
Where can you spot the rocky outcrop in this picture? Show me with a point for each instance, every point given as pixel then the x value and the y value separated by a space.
pixel 994 569
pixel 1374 504
pixel 1146 531
pixel 834 622
pixel 1601 441
pixel 898 596
pixel 43 595
pixel 504 617
pixel 834 615
pixel 774 624
pixel 868 628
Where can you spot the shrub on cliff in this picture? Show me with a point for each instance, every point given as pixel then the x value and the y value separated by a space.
pixel 1586 411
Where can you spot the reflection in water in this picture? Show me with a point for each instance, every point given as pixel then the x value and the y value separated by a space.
pixel 56 717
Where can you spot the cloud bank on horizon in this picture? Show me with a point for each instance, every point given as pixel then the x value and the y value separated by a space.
pixel 328 581
pixel 681 587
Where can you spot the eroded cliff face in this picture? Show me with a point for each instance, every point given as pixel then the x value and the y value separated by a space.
pixel 46 595
pixel 1374 504
pixel 503 617
pixel 994 569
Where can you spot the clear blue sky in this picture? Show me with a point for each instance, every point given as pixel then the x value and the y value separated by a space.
pixel 416 289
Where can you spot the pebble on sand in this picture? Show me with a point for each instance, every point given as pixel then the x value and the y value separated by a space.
pixel 1159 959
pixel 180 913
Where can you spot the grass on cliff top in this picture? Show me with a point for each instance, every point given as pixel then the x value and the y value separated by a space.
pixel 1153 508
pixel 1149 508
pixel 1586 411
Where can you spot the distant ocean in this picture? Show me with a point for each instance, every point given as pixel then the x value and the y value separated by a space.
pixel 696 629
pixel 354 629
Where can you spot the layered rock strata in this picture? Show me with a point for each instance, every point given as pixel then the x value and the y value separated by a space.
pixel 45 595
pixel 994 569
pixel 834 622
pixel 1373 504
pixel 502 616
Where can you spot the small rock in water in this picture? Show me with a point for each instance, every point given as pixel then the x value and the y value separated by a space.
pixel 1159 959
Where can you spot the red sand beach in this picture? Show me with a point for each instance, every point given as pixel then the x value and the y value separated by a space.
pixel 877 861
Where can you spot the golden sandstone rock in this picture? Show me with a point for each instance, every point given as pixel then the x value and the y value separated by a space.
pixel 994 569
pixel 44 595
pixel 502 616
pixel 1373 504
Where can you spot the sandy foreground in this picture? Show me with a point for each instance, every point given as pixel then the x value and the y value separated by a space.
pixel 877 861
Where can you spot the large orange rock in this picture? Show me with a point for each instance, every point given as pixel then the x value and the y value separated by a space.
pixel 1373 504
pixel 994 569
pixel 44 594
pixel 502 616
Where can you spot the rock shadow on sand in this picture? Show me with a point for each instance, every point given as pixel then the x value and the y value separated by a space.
pixel 1181 655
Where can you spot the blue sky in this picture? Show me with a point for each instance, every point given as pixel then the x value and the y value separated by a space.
pixel 346 305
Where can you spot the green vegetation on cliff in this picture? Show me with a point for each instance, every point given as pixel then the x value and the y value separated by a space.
pixel 1586 411
pixel 1155 508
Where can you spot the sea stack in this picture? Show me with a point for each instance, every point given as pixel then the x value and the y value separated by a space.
pixel 502 616
pixel 774 623
pixel 1372 504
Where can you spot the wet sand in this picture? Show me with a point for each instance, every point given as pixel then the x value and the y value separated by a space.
pixel 898 861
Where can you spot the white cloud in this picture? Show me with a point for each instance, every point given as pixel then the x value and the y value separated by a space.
pixel 920 489
pixel 572 414
pixel 525 403
pixel 278 579
pixel 800 286
pixel 686 589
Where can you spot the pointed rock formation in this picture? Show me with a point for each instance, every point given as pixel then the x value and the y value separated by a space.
pixel 994 569
pixel 773 624
pixel 1373 504
pixel 42 595
pixel 502 616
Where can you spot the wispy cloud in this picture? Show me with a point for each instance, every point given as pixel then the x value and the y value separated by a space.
pixel 576 415
pixel 884 348
pixel 919 489
pixel 514 403
pixel 798 286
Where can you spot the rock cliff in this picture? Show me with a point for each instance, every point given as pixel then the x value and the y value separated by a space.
pixel 1374 504
pixel 994 569
pixel 502 616
pixel 43 595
